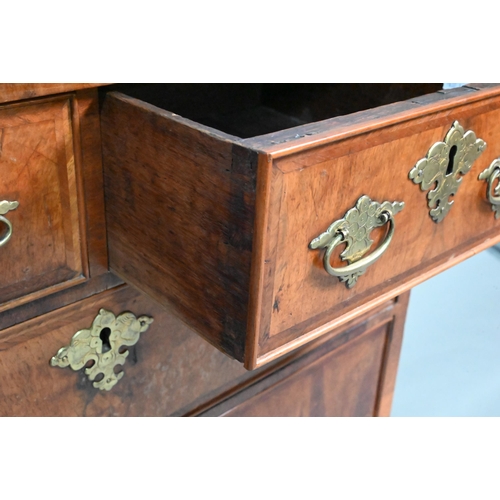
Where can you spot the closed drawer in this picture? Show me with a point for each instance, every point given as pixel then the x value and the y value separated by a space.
pixel 219 226
pixel 37 164
pixel 349 373
pixel 171 371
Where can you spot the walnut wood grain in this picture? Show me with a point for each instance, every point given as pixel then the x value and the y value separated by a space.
pixel 168 369
pixel 87 117
pixel 59 299
pixel 37 163
pixel 21 91
pixel 389 368
pixel 171 371
pixel 322 388
pixel 180 215
pixel 59 227
pixel 347 374
pixel 376 164
pixel 182 180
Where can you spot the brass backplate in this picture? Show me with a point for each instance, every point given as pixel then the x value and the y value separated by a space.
pixel 442 167
pixel 102 347
pixel 491 176
pixel 354 230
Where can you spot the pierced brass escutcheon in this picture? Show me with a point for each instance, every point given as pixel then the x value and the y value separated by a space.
pixel 442 166
pixel 7 206
pixel 354 230
pixel 492 175
pixel 101 344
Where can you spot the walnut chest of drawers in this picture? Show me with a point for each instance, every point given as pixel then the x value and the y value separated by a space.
pixel 221 212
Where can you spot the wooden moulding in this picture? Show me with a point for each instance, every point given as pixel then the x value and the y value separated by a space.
pixel 19 91
pixel 217 227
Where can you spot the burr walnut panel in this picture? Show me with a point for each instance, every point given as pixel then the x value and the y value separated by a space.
pixel 171 371
pixel 168 372
pixel 37 169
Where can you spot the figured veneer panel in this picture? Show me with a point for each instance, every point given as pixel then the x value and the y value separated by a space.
pixel 313 187
pixel 349 373
pixel 342 383
pixel 171 371
pixel 37 166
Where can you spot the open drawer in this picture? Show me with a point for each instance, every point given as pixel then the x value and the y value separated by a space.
pixel 215 195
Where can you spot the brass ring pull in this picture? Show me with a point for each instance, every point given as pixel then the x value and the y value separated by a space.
pixel 6 206
pixel 354 230
pixel 490 175
pixel 360 265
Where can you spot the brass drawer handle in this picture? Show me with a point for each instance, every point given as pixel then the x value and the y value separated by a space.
pixel 354 230
pixel 103 346
pixel 491 175
pixel 6 206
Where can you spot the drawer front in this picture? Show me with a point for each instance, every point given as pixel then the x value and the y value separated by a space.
pixel 309 187
pixel 219 228
pixel 37 165
pixel 169 371
pixel 340 384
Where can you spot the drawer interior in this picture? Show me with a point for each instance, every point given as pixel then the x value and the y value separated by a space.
pixel 254 109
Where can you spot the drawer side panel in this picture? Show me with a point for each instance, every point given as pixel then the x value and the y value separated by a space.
pixel 180 210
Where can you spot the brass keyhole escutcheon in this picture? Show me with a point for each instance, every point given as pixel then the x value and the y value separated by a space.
pixel 441 169
pixel 101 349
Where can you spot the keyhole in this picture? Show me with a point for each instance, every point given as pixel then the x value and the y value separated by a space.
pixel 104 336
pixel 451 159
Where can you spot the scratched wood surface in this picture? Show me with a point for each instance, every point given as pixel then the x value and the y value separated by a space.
pixel 179 206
